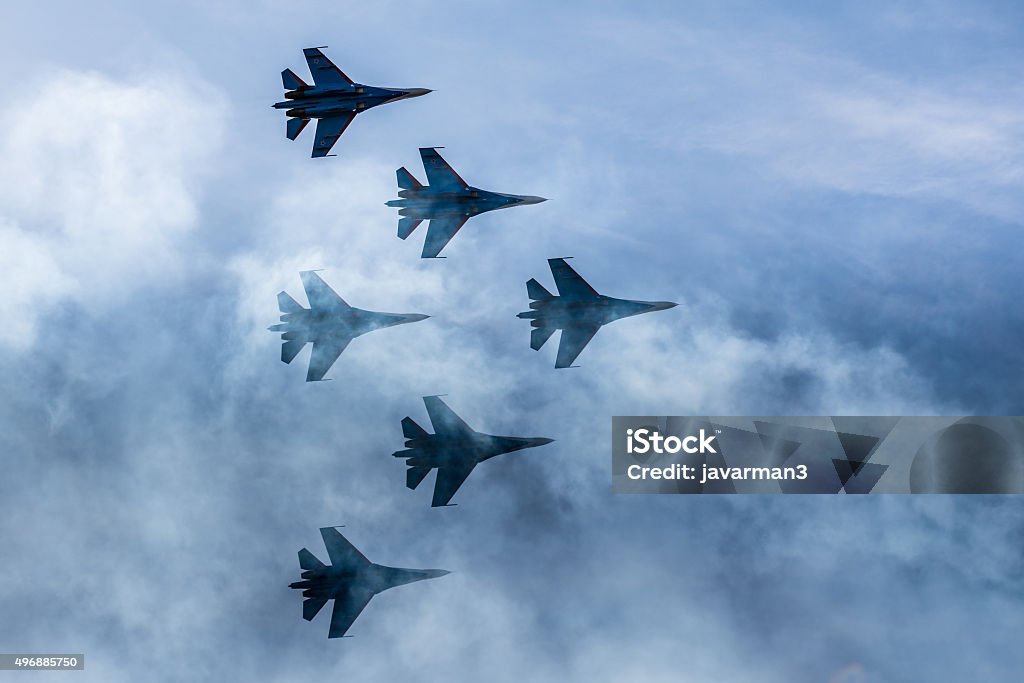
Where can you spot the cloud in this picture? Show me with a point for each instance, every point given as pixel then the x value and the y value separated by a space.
pixel 814 116
pixel 162 466
pixel 100 182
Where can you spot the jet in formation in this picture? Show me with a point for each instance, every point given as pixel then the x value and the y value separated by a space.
pixel 350 580
pixel 447 202
pixel 578 310
pixel 329 323
pixel 454 449
pixel 333 100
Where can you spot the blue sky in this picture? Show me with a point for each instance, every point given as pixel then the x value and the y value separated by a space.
pixel 831 193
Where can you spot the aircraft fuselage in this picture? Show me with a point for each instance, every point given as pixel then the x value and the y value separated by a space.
pixel 560 311
pixel 314 102
pixel 309 325
pixel 439 451
pixel 330 582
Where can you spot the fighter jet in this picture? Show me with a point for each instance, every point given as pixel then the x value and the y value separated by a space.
pixel 447 202
pixel 578 310
pixel 351 581
pixel 329 323
pixel 454 449
pixel 333 100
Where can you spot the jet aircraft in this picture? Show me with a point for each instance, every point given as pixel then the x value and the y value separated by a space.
pixel 333 100
pixel 578 310
pixel 454 449
pixel 329 323
pixel 350 580
pixel 447 202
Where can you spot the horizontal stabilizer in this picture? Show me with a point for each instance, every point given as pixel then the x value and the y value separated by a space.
pixel 312 606
pixel 411 430
pixel 536 291
pixel 406 180
pixel 406 225
pixel 291 81
pixel 287 304
pixel 415 475
pixel 539 336
pixel 307 560
pixel 295 127
pixel 290 349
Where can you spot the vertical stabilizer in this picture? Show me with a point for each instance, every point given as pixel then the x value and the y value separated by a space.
pixel 308 560
pixel 539 336
pixel 406 225
pixel 291 81
pixel 290 349
pixel 406 180
pixel 295 127
pixel 536 290
pixel 415 475
pixel 287 304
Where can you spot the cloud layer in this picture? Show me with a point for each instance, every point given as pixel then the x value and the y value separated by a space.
pixel 837 222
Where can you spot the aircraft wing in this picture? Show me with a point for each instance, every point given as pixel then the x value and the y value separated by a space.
pixel 440 176
pixel 572 343
pixel 320 294
pixel 325 73
pixel 325 352
pixel 340 550
pixel 443 418
pixel 449 479
pixel 328 130
pixel 347 608
pixel 440 232
pixel 569 282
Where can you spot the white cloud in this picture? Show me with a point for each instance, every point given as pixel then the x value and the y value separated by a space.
pixel 815 115
pixel 100 182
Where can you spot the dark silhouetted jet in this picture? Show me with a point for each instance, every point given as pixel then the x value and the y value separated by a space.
pixel 454 449
pixel 578 310
pixel 351 581
pixel 447 202
pixel 333 100
pixel 329 323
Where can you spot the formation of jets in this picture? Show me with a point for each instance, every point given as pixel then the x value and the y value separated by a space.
pixel 454 449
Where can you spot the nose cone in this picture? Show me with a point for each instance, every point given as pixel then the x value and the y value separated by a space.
pixel 414 92
pixel 435 573
pixel 539 442
pixel 529 199
pixel 662 305
pixel 414 317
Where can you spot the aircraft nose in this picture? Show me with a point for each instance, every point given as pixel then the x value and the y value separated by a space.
pixel 436 573
pixel 529 199
pixel 415 317
pixel 663 305
pixel 540 441
pixel 416 92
